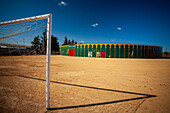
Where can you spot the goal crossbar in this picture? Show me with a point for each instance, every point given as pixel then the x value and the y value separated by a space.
pixel 40 17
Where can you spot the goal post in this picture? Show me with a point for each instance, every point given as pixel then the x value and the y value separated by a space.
pixel 48 51
pixel 49 28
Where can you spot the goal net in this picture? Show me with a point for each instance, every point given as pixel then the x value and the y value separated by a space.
pixel 25 48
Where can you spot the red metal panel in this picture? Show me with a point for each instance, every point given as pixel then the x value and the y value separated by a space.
pixel 153 55
pixel 71 52
pixel 102 54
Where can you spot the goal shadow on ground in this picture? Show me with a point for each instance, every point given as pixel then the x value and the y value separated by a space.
pixel 144 96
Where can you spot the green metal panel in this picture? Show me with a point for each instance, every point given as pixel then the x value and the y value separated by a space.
pixel 90 47
pixel 112 51
pixel 156 51
pixel 122 51
pixel 94 50
pixel 67 48
pixel 103 48
pixel 78 50
pixel 82 50
pixel 86 51
pixel 61 50
pixel 157 55
pixel 126 51
pixel 64 50
pixel 139 51
pixel 117 51
pixel 161 52
pixel 98 48
pixel 75 50
pixel 131 53
pixel 146 52
pixel 152 51
pixel 143 51
pixel 149 52
pixel 107 51
pixel 135 51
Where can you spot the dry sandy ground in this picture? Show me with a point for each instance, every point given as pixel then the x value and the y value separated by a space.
pixel 85 85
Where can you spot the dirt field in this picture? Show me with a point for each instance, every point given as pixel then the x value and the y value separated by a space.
pixel 85 85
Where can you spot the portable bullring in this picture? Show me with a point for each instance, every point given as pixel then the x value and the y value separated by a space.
pixel 112 51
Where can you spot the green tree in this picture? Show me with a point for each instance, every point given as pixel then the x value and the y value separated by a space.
pixel 72 41
pixel 44 41
pixel 36 44
pixel 54 44
pixel 68 41
pixel 65 41
pixel 41 44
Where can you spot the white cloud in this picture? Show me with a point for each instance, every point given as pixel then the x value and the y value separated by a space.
pixel 82 41
pixel 119 28
pixel 113 40
pixel 62 3
pixel 94 25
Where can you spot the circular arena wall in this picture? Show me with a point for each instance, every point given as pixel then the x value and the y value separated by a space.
pixel 112 51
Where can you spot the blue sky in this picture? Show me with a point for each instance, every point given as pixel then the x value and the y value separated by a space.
pixel 99 21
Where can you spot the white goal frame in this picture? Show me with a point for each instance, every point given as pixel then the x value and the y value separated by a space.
pixel 49 29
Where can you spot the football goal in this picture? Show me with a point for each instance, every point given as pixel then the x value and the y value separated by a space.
pixel 28 36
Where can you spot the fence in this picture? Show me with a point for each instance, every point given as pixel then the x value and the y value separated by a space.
pixel 112 51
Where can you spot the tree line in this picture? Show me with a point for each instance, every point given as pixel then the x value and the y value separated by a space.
pixel 39 43
pixel 68 42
